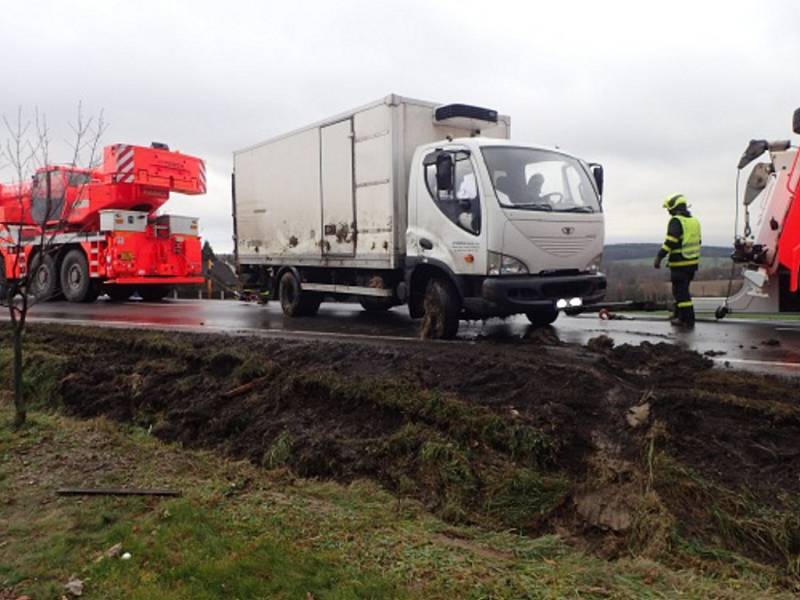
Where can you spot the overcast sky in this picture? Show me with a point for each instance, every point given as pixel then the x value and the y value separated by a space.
pixel 665 95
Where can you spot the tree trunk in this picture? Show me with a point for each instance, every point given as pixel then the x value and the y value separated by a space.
pixel 19 400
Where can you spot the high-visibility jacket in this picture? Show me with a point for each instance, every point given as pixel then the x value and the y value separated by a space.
pixel 683 241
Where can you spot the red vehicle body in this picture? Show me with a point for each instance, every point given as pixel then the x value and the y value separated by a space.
pixel 83 232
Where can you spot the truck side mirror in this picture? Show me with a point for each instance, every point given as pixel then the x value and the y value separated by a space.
pixel 597 173
pixel 796 122
pixel 444 172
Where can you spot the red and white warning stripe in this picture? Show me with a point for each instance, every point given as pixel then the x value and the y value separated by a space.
pixel 202 176
pixel 125 164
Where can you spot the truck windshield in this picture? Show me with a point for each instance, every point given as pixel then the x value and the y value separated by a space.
pixel 530 179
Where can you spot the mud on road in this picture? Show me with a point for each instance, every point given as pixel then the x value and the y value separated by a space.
pixel 629 450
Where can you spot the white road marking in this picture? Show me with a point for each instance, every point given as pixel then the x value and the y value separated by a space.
pixel 752 361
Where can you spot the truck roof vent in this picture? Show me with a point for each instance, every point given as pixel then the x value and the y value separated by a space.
pixel 464 115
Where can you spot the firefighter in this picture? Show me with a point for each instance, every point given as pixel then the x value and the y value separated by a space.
pixel 682 246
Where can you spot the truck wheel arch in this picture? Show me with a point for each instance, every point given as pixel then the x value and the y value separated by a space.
pixel 417 277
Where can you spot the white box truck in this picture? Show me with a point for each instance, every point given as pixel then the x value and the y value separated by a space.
pixel 409 202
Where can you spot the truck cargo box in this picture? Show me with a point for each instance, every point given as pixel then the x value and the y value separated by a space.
pixel 335 193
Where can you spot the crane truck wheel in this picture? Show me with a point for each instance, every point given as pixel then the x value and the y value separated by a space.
pixel 294 301
pixel 153 293
pixel 76 284
pixel 44 284
pixel 442 310
pixel 542 317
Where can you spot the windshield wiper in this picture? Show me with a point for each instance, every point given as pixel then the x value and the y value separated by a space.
pixel 586 209
pixel 543 207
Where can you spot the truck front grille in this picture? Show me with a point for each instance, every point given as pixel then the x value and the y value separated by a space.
pixel 562 246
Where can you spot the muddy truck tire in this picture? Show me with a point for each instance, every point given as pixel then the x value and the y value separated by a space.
pixel 294 301
pixel 76 285
pixel 542 317
pixel 44 278
pixel 442 310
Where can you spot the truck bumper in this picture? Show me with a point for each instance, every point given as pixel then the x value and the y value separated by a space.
pixel 504 296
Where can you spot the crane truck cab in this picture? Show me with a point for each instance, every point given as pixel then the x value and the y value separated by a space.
pixel 404 201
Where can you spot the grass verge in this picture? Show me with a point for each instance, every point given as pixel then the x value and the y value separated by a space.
pixel 240 531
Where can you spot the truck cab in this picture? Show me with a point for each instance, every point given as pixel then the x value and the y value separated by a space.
pixel 513 228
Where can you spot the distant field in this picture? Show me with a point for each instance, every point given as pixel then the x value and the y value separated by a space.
pixel 625 252
pixel 705 261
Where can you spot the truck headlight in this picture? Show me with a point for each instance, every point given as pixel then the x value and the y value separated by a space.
pixel 595 264
pixel 500 264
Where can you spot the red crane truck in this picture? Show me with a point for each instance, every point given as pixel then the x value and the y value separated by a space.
pixel 83 232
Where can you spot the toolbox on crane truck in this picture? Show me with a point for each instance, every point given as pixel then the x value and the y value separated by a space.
pixel 407 201
pixel 81 232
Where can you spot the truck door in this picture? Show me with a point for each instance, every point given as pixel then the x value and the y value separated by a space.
pixel 338 210
pixel 449 225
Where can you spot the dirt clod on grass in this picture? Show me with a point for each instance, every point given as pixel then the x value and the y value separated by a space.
pixel 527 435
pixel 600 343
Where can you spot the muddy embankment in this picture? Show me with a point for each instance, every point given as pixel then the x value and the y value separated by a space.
pixel 625 450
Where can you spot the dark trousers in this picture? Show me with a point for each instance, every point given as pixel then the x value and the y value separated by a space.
pixel 681 277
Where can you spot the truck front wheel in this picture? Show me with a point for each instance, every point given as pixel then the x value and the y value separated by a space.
pixel 76 284
pixel 442 309
pixel 542 317
pixel 294 301
pixel 43 282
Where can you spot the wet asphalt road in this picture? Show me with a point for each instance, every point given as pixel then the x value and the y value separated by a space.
pixel 772 346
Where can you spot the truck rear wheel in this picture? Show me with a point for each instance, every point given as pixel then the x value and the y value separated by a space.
pixel 542 317
pixel 294 301
pixel 153 293
pixel 442 310
pixel 43 283
pixel 76 284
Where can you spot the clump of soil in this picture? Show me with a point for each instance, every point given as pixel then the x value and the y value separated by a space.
pixel 600 343
pixel 619 449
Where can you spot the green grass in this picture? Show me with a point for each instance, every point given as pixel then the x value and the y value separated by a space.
pixel 240 531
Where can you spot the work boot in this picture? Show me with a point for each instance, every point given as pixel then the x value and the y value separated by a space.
pixel 684 318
